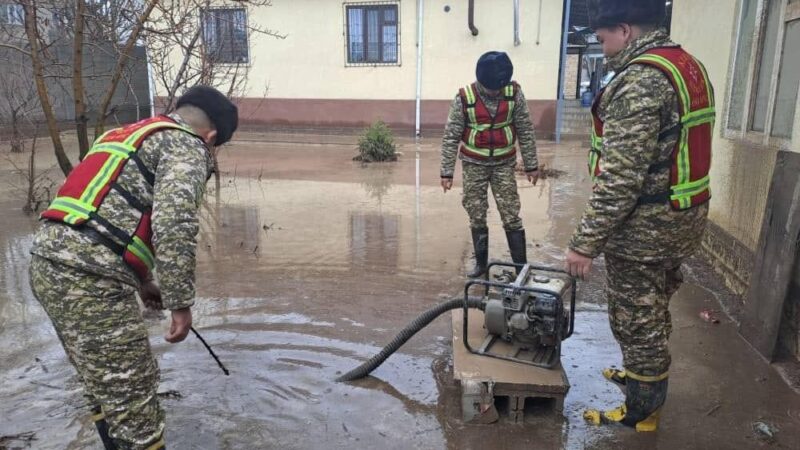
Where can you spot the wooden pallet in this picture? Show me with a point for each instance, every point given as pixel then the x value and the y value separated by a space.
pixel 493 387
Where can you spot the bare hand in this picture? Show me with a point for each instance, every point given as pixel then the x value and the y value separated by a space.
pixel 533 176
pixel 179 326
pixel 447 184
pixel 578 265
pixel 150 294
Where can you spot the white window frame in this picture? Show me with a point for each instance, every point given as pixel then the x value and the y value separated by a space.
pixel 789 13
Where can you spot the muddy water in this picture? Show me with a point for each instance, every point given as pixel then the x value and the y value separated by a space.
pixel 307 264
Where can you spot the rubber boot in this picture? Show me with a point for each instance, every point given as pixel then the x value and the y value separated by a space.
pixel 618 377
pixel 480 242
pixel 516 244
pixel 643 401
pixel 99 419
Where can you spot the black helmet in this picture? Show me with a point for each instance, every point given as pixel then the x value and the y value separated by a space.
pixel 221 111
pixel 494 70
pixel 606 13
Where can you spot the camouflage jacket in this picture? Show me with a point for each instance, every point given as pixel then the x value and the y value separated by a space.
pixel 181 164
pixel 636 106
pixel 456 122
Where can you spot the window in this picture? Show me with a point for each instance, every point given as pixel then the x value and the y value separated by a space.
pixel 225 35
pixel 12 14
pixel 372 33
pixel 766 71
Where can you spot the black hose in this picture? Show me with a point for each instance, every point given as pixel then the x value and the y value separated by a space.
pixel 419 323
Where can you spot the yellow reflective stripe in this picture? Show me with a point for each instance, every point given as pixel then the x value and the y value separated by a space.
pixel 148 128
pixel 487 153
pixel 102 136
pixel 472 135
pixel 691 188
pixel 75 209
pixel 646 378
pixel 508 90
pixel 98 417
pixel 511 105
pixel 102 178
pixel 699 117
pixel 470 94
pixel 509 135
pixel 473 119
pixel 140 250
pixel 113 148
pixel 683 90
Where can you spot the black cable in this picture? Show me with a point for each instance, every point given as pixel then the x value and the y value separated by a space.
pixel 208 347
pixel 419 323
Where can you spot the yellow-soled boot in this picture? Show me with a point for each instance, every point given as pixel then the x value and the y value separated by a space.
pixel 616 376
pixel 643 400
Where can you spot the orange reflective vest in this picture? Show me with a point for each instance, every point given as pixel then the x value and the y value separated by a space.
pixel 690 161
pixel 79 200
pixel 486 136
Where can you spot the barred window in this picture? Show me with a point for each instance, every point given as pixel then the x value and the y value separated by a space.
pixel 225 35
pixel 12 14
pixel 372 33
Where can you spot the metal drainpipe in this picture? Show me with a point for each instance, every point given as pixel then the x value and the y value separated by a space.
pixel 562 71
pixel 517 40
pixel 420 9
pixel 472 18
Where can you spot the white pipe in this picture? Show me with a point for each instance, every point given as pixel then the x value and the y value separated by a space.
pixel 517 40
pixel 417 127
pixel 150 82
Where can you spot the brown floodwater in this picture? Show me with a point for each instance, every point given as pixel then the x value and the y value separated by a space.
pixel 308 263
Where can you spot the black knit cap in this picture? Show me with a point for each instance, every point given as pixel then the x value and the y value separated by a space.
pixel 494 70
pixel 221 111
pixel 607 13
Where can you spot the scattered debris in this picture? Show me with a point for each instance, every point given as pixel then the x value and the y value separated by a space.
pixel 761 379
pixel 173 394
pixel 708 316
pixel 714 409
pixel 25 438
pixel 765 430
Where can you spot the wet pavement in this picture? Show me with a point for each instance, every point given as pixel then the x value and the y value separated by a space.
pixel 308 263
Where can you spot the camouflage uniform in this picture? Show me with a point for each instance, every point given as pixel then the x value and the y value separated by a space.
pixel 89 292
pixel 645 244
pixel 499 173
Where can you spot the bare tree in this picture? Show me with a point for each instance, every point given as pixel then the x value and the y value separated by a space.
pixel 211 44
pixel 19 103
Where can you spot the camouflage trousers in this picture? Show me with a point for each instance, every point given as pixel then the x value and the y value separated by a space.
pixel 638 309
pixel 101 329
pixel 477 179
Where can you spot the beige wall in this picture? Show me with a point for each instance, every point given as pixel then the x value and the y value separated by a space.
pixel 741 172
pixel 310 62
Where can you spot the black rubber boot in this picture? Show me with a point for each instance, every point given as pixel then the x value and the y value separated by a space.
pixel 480 242
pixel 102 428
pixel 643 402
pixel 516 243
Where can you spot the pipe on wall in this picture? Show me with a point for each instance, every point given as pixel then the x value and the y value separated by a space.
pixel 420 6
pixel 517 40
pixel 471 19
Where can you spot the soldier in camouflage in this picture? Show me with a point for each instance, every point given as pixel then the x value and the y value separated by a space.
pixel 486 144
pixel 88 291
pixel 644 244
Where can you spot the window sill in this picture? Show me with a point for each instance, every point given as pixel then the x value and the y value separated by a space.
pixel 758 139
pixel 394 64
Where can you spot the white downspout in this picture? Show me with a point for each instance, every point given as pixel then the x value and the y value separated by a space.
pixel 417 128
pixel 517 40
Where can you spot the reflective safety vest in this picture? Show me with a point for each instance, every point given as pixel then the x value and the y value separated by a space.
pixel 690 161
pixel 486 136
pixel 79 200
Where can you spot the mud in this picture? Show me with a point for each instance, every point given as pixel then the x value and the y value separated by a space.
pixel 309 262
